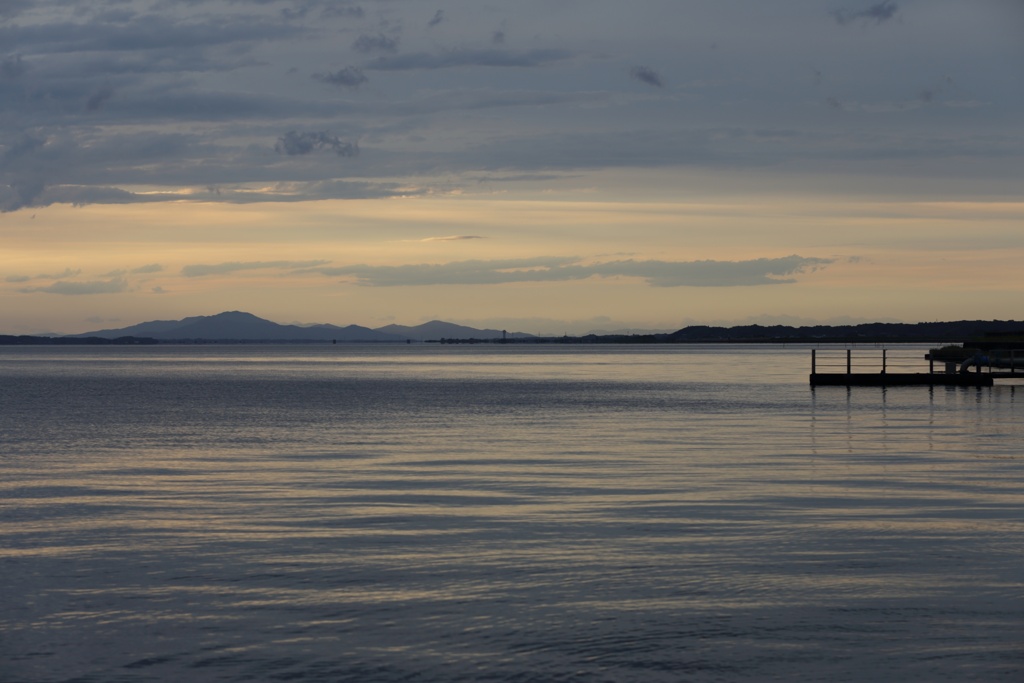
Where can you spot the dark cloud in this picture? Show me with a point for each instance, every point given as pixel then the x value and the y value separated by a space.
pixel 325 9
pixel 333 8
pixel 22 193
pixel 877 13
pixel 162 105
pixel 114 286
pixel 147 33
pixel 646 75
pixel 98 96
pixel 25 145
pixel 294 143
pixel 82 195
pixel 151 268
pixel 367 43
pixel 97 99
pixel 437 18
pixel 202 270
pixel 625 149
pixel 755 272
pixel 12 8
pixel 461 58
pixel 349 77
pixel 451 238
pixel 929 94
pixel 62 167
pixel 294 13
pixel 13 66
pixel 116 16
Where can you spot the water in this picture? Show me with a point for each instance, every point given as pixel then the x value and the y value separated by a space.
pixel 501 513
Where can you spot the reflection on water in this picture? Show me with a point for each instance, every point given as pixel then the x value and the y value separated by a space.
pixel 466 514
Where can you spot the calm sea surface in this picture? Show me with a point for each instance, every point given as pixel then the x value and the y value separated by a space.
pixel 501 513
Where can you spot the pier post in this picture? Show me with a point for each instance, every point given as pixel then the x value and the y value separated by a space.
pixel 849 362
pixel 883 360
pixel 814 361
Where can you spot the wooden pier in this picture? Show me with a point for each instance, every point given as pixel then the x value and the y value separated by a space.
pixel 878 368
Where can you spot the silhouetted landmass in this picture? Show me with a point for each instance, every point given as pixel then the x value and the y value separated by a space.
pixel 238 327
pixel 961 331
pixel 980 333
pixel 28 340
pixel 241 327
pixel 435 330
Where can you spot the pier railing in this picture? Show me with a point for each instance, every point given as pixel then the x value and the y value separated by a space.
pixel 853 361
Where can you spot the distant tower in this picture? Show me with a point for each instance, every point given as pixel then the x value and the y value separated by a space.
pixel 504 336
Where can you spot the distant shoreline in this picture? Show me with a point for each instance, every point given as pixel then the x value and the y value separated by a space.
pixel 958 332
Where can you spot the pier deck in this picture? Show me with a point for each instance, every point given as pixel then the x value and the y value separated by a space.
pixel 901 379
pixel 877 368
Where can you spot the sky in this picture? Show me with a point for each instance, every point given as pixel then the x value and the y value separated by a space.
pixel 554 166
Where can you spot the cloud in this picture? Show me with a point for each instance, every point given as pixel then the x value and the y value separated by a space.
pixel 68 272
pixel 27 144
pixel 465 57
pixel 714 273
pixel 366 43
pixel 151 268
pixel 12 8
pixel 929 94
pixel 21 193
pixel 332 8
pixel 437 18
pixel 349 77
pixel 100 99
pixel 97 99
pixel 154 31
pixel 707 273
pixel 452 238
pixel 646 75
pixel 22 172
pixel 294 143
pixel 327 9
pixel 877 13
pixel 202 270
pixel 13 66
pixel 114 286
pixel 82 195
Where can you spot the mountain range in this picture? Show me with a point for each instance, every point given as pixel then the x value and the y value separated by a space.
pixel 240 326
